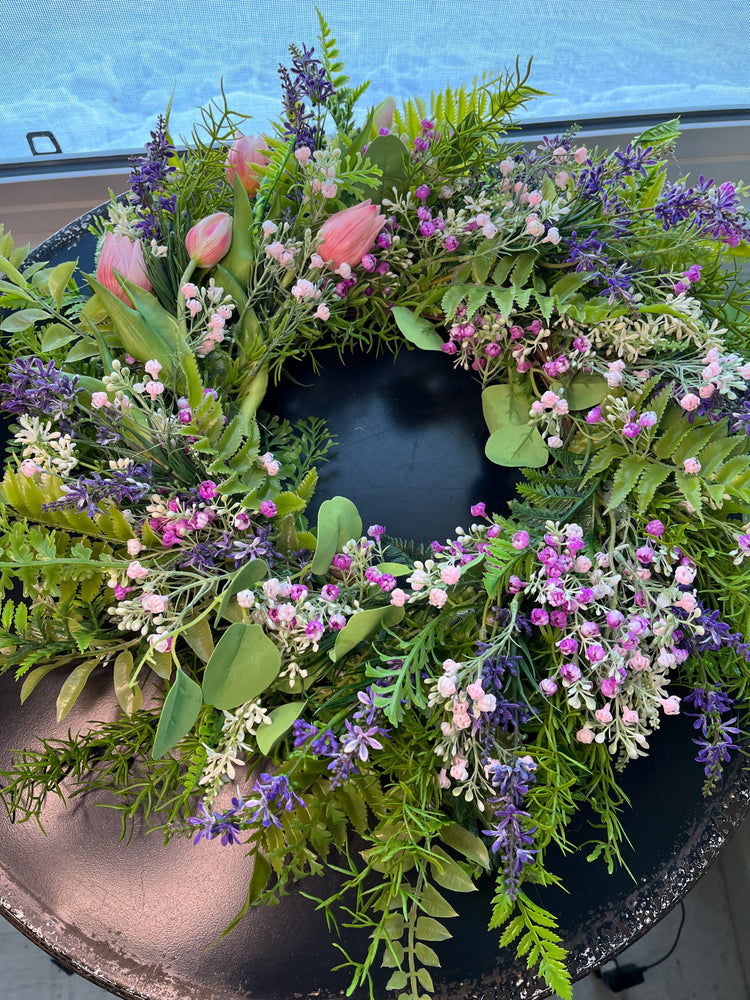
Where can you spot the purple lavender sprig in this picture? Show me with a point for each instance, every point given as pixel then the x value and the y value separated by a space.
pixel 307 81
pixel 147 179
pixel 212 824
pixel 361 735
pixel 717 742
pixel 273 795
pixel 122 486
pixel 714 211
pixel 511 834
pixel 36 388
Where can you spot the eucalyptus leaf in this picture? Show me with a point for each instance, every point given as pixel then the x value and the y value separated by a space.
pixel 338 523
pixel 585 389
pixel 282 719
pixel 178 715
pixel 244 663
pixel 503 405
pixel 244 579
pixel 361 625
pixel 517 447
pixel 417 330
pixel 390 154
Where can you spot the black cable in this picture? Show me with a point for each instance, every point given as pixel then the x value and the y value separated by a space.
pixel 623 977
pixel 679 931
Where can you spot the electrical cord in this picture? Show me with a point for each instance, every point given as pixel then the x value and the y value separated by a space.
pixel 622 977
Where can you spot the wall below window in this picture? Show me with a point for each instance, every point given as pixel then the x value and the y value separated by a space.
pixel 33 206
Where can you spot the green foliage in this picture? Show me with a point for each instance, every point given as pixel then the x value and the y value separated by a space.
pixel 723 474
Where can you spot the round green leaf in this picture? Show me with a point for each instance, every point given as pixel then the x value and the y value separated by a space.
pixel 517 446
pixel 503 405
pixel 417 330
pixel 242 666
pixel 338 522
pixel 244 579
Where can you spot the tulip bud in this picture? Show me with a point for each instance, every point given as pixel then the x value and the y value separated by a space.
pixel 209 240
pixel 123 257
pixel 245 151
pixel 382 116
pixel 346 236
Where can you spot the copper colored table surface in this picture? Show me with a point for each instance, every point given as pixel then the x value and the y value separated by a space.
pixel 137 917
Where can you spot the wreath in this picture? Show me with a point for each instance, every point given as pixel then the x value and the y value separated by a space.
pixel 428 714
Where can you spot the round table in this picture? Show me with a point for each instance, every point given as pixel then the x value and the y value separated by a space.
pixel 143 919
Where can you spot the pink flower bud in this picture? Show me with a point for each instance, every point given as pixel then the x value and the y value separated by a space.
pixel 671 705
pixel 209 240
pixel 346 236
pixel 121 257
pixel 246 150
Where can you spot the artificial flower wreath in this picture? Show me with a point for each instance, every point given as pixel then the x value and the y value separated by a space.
pixel 446 710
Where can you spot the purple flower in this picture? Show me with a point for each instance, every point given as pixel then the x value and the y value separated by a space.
pixel 273 794
pixel 511 834
pixel 717 733
pixel 37 389
pixel 358 741
pixel 149 175
pixel 121 487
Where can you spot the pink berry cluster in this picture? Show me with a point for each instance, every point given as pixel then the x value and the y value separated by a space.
pixel 612 629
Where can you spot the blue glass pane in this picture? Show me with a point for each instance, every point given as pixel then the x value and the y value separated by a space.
pixel 96 74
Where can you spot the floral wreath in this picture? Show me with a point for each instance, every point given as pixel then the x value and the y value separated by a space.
pixel 449 708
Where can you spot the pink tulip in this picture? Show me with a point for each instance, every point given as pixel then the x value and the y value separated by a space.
pixel 245 151
pixel 120 256
pixel 209 240
pixel 349 234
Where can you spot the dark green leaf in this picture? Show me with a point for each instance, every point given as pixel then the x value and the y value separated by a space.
pixel 390 154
